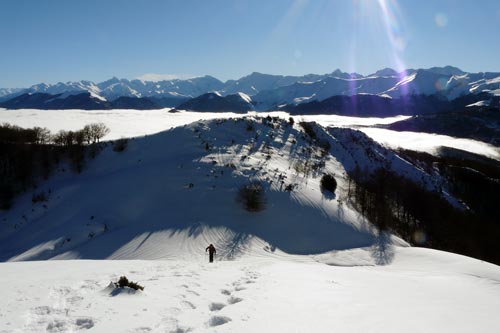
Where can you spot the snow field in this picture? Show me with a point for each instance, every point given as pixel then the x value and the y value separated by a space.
pixel 420 291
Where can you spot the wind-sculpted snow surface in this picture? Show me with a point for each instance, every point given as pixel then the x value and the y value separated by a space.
pixel 420 290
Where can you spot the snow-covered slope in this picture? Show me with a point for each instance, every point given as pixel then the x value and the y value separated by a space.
pixel 169 193
pixel 157 198
pixel 420 290
pixel 307 262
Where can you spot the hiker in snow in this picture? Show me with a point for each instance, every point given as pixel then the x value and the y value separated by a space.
pixel 211 251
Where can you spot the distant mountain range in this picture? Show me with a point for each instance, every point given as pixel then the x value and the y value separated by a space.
pixel 385 91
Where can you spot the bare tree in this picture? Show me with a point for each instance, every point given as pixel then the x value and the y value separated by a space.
pixel 42 135
pixel 94 132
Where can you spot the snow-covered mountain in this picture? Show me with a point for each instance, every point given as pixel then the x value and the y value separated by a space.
pixel 115 88
pixel 167 196
pixel 185 182
pixel 270 91
pixel 256 82
pixel 385 83
pixel 215 102
pixel 302 92
pixel 6 92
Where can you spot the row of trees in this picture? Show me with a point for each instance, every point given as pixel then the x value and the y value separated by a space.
pixel 90 134
pixel 28 154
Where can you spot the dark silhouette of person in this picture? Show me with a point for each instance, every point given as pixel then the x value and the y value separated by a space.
pixel 211 251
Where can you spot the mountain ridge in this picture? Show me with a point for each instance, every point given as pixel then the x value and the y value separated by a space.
pixel 270 91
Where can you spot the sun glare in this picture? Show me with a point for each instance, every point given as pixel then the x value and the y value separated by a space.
pixel 382 22
pixel 391 16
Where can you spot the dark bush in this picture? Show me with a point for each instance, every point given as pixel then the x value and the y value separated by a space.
pixel 135 286
pixel 308 129
pixel 120 145
pixel 328 183
pixel 124 282
pixel 252 197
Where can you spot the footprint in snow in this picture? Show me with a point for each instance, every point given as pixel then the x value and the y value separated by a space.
pixel 234 300
pixel 57 325
pixel 188 304
pixel 192 292
pixel 239 288
pixel 216 306
pixel 218 320
pixel 84 323
pixel 225 292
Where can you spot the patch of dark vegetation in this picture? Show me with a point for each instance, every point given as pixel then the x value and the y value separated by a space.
pixel 27 155
pixel 472 178
pixel 120 145
pixel 124 282
pixel 394 203
pixel 252 197
pixel 308 129
pixel 328 183
pixel 320 142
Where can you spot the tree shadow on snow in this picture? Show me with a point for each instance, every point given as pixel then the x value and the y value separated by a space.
pixel 234 247
pixel 383 251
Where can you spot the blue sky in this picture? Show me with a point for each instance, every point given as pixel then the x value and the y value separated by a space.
pixel 61 40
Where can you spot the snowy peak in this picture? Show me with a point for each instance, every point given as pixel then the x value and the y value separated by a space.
pixel 110 82
pixel 270 91
pixel 343 75
pixel 256 82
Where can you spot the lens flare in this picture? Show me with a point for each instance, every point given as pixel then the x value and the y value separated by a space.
pixel 392 18
pixel 441 20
